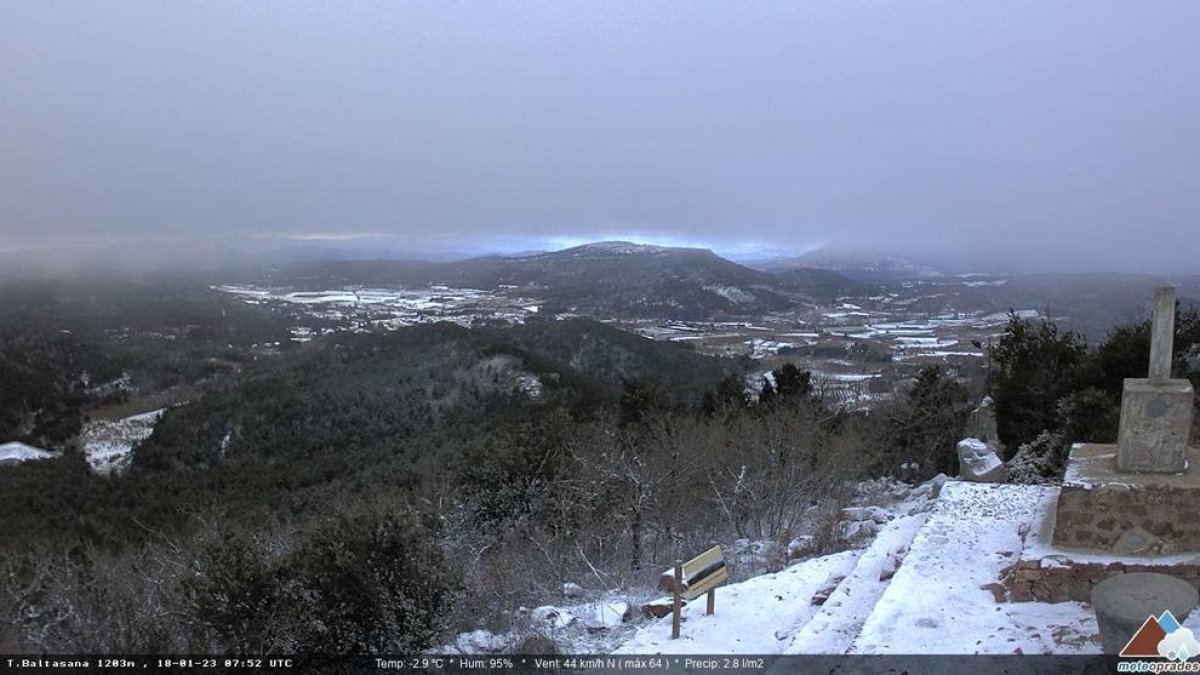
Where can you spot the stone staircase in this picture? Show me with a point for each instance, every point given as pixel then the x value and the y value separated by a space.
pixel 847 602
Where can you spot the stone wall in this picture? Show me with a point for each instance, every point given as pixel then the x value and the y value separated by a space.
pixel 1158 519
pixel 1050 580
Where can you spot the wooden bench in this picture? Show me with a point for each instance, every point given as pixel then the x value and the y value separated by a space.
pixel 691 579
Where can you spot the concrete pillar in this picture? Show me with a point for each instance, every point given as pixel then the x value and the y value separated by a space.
pixel 1156 412
pixel 1162 334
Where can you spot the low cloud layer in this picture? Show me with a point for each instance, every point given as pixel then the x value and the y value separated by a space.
pixel 1046 134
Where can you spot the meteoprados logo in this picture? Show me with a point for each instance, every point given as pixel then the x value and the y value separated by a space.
pixel 1161 637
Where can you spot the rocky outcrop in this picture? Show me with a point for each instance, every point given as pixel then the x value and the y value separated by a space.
pixel 981 424
pixel 980 462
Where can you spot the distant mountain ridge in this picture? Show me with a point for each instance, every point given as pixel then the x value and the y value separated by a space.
pixel 610 279
pixel 623 279
pixel 858 265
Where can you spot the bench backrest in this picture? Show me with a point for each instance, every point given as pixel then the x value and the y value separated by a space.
pixel 700 574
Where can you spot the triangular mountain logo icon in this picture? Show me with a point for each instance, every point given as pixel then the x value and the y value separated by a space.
pixel 1162 637
pixel 1144 643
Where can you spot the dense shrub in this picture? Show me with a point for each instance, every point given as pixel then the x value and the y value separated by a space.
pixel 1040 461
pixel 238 593
pixel 371 580
pixel 1046 380
pixel 1089 416
pixel 917 435
pixel 1034 365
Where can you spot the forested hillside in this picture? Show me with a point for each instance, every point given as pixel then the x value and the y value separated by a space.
pixel 69 346
pixel 344 413
pixel 507 460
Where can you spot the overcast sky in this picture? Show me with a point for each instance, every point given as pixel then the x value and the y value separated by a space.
pixel 1025 130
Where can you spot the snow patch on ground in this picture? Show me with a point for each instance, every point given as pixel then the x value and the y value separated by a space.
pixel 588 627
pixel 757 616
pixel 14 452
pixel 530 385
pixel 731 293
pixel 107 444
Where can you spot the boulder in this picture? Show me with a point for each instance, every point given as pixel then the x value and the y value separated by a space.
pixel 980 462
pixel 892 564
pixel 551 617
pixel 874 514
pixel 659 608
pixel 999 592
pixel 571 590
pixel 826 590
pixel 981 424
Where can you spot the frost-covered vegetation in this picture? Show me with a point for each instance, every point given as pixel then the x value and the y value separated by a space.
pixel 387 491
pixel 602 478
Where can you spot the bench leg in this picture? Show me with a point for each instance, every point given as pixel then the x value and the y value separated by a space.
pixel 675 618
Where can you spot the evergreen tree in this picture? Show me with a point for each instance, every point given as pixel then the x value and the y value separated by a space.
pixel 730 394
pixel 791 384
pixel 643 399
pixel 924 427
pixel 1034 365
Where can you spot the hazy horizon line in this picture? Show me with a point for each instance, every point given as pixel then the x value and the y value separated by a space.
pixel 185 254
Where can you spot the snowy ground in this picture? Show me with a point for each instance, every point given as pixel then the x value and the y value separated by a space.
pixel 936 604
pixel 107 444
pixel 12 453
pixel 577 626
pixel 833 629
pixel 757 616
pixel 918 588
pixel 920 585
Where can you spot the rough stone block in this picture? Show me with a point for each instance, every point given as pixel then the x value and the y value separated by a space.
pixel 999 592
pixel 980 461
pixel 1156 420
pixel 1127 513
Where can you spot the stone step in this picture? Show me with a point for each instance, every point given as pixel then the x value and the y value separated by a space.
pixel 846 604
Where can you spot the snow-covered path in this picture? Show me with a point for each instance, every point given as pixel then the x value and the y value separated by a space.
pixel 936 604
pixel 833 629
pixel 937 601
